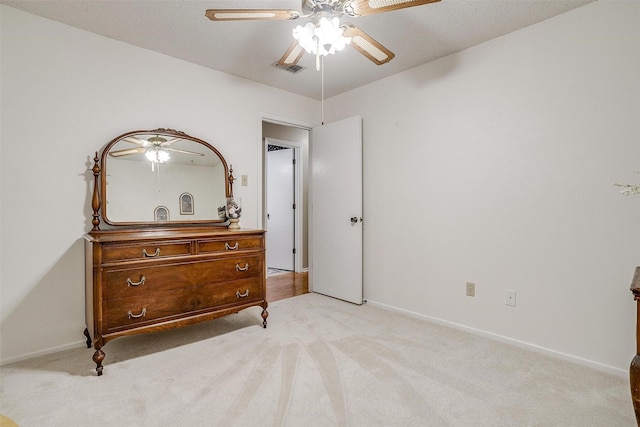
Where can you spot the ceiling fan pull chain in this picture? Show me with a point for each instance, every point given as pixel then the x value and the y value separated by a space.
pixel 322 93
pixel 317 54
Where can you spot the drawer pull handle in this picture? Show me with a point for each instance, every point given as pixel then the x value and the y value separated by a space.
pixel 135 316
pixel 141 282
pixel 147 255
pixel 245 268
pixel 239 295
pixel 231 248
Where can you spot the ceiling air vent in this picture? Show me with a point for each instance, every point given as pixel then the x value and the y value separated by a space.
pixel 290 68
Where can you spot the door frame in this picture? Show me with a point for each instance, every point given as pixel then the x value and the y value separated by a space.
pixel 262 201
pixel 298 151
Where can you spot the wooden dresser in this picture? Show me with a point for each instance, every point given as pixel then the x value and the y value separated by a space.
pixel 191 263
pixel 141 280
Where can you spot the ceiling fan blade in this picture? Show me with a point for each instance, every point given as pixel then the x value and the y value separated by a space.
pixel 369 7
pixel 126 152
pixel 366 45
pixel 135 140
pixel 292 55
pixel 168 143
pixel 193 153
pixel 250 14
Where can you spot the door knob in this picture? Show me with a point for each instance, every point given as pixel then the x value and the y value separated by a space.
pixel 354 220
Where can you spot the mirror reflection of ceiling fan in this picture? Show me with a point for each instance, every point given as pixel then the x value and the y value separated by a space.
pixel 156 148
pixel 323 34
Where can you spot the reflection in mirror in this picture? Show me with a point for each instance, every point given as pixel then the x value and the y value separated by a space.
pixel 161 213
pixel 144 170
pixel 186 204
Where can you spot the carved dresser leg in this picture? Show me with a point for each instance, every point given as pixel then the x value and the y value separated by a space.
pixel 98 357
pixel 86 334
pixel 265 314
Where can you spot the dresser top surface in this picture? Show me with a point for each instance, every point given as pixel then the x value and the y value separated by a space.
pixel 137 234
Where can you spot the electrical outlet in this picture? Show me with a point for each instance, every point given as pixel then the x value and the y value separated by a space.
pixel 471 289
pixel 510 298
pixel 245 180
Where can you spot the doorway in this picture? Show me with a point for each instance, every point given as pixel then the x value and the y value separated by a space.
pixel 349 133
pixel 281 206
pixel 292 141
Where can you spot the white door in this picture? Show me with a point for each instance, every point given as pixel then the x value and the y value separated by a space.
pixel 336 209
pixel 280 212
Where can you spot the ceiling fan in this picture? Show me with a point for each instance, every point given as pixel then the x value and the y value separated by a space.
pixel 155 148
pixel 323 34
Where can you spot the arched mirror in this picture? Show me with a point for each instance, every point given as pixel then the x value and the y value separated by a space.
pixel 147 169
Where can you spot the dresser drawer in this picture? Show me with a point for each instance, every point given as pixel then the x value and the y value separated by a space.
pixel 220 294
pixel 230 245
pixel 227 269
pixel 124 283
pixel 145 251
pixel 131 282
pixel 135 311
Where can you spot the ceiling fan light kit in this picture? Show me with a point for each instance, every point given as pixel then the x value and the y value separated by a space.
pixel 157 155
pixel 323 38
pixel 323 34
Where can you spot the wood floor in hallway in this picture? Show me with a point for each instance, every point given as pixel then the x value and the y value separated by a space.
pixel 287 285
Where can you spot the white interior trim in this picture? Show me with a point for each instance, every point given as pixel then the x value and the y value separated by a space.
pixel 522 344
pixel 270 118
pixel 299 153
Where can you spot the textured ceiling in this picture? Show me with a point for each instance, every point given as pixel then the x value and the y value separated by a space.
pixel 250 48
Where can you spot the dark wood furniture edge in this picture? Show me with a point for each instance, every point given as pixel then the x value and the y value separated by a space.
pixel 142 234
pixel 95 198
pixel 634 369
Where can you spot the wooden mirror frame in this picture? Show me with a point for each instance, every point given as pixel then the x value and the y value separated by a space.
pixel 99 196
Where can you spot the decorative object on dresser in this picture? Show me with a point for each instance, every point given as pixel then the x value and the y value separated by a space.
pixel 146 274
pixel 634 370
pixel 234 211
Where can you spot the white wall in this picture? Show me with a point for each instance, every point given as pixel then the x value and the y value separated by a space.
pixel 496 165
pixel 66 93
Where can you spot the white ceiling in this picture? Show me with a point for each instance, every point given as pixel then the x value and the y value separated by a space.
pixel 249 48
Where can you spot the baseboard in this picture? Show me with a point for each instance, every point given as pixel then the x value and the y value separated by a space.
pixel 45 352
pixel 522 344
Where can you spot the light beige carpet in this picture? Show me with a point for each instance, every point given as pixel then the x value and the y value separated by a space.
pixel 321 362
